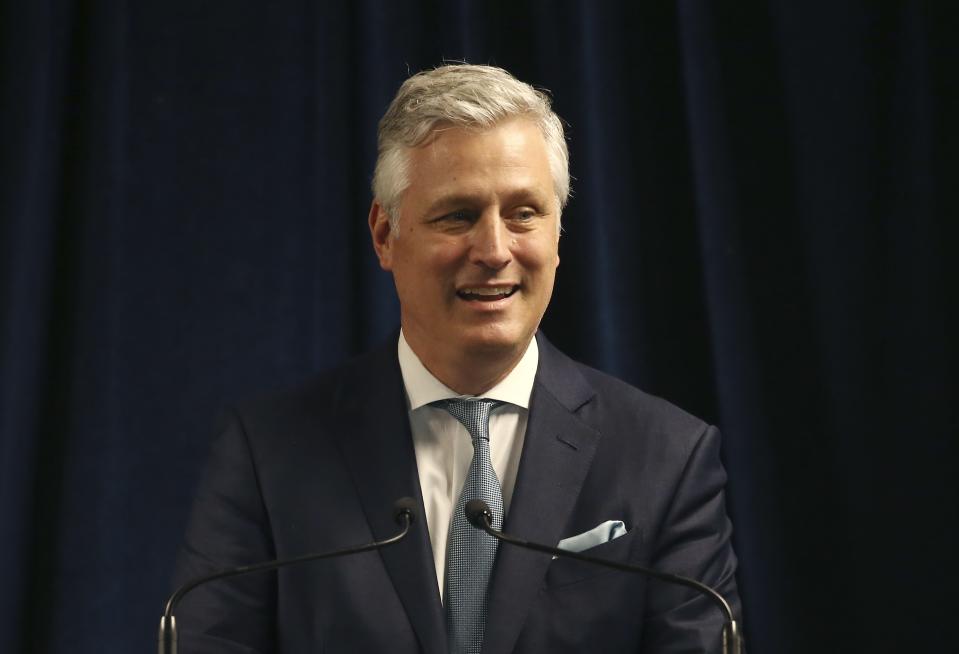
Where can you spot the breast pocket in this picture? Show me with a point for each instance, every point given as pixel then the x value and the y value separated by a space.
pixel 564 571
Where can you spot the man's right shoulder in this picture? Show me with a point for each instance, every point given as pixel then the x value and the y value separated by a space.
pixel 317 396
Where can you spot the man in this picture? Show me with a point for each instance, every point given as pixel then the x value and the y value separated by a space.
pixel 467 401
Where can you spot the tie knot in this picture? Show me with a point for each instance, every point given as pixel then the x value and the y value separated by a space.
pixel 472 413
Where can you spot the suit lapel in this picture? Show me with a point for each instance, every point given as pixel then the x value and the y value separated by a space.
pixel 557 453
pixel 376 443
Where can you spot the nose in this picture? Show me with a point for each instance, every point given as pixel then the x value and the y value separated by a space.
pixel 490 245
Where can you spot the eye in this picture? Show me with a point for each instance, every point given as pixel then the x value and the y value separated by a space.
pixel 524 216
pixel 457 217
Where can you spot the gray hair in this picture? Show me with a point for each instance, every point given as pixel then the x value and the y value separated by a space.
pixel 465 96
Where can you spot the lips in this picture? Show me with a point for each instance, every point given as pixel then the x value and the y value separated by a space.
pixel 486 293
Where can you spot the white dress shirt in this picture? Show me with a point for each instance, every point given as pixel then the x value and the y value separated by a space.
pixel 444 449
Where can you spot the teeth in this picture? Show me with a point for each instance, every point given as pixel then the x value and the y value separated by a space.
pixel 496 290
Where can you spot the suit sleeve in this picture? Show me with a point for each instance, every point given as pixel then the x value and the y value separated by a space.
pixel 694 541
pixel 228 527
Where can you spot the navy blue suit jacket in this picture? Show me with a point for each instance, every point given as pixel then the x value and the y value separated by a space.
pixel 319 469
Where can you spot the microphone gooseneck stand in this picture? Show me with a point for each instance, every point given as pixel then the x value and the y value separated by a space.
pixel 480 516
pixel 404 510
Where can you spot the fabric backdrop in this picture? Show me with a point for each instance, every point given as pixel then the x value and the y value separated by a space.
pixel 761 231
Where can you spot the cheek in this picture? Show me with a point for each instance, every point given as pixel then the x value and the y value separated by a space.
pixel 427 269
pixel 442 259
pixel 540 255
pixel 414 256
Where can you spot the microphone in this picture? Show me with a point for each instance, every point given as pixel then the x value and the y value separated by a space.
pixel 480 516
pixel 404 512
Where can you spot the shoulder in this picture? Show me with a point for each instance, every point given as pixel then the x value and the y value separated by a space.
pixel 618 398
pixel 314 403
pixel 629 420
pixel 599 395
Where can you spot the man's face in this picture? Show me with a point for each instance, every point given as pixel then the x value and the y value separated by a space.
pixel 477 249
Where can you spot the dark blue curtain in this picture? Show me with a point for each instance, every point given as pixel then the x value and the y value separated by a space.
pixel 762 231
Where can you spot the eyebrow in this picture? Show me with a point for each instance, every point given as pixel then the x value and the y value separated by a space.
pixel 452 201
pixel 458 200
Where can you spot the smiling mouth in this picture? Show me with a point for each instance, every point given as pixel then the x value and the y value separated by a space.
pixel 487 294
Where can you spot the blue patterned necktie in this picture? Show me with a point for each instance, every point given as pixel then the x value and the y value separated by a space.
pixel 470 552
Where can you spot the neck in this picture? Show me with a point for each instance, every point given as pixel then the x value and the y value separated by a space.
pixel 468 373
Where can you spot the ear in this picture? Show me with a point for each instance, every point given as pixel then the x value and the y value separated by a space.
pixel 382 235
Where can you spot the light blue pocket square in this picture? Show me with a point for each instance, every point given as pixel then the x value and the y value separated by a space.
pixel 602 533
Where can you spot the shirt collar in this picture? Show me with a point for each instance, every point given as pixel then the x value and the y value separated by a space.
pixel 422 387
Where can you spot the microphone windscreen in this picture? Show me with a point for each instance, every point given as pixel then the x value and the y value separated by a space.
pixel 478 513
pixel 405 506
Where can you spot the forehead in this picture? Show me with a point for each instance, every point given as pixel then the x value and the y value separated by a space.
pixel 514 147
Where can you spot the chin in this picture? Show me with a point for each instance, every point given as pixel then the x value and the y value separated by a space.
pixel 495 341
